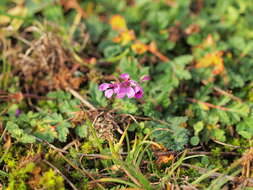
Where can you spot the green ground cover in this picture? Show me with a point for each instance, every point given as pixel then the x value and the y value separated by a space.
pixel 189 126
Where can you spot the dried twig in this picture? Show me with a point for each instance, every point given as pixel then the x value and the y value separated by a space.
pixel 78 96
pixel 82 171
pixel 225 144
pixel 215 174
pixel 223 92
pixel 69 145
pixel 162 153
pixel 208 104
pixel 154 51
pixel 100 156
pixel 51 146
pixel 60 152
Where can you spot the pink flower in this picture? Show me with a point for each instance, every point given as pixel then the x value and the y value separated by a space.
pixel 138 92
pixel 145 78
pixel 109 89
pixel 125 76
pixel 127 87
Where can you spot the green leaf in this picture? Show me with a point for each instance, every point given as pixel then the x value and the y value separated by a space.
pixel 25 138
pixel 245 128
pixel 82 131
pixel 57 121
pixel 198 127
pixel 53 119
pixel 18 133
pixel 69 107
pixel 168 77
pixel 97 97
pixel 62 132
pixel 12 109
pixel 54 13
pixel 112 51
pixel 173 136
pixel 129 65
pixel 237 42
pixel 195 140
pixel 194 39
pixel 218 134
pixel 125 106
pixel 95 28
pixel 45 132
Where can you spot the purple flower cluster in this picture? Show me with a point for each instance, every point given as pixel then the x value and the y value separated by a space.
pixel 127 87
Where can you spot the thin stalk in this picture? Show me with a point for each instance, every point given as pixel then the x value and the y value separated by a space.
pixel 82 171
pixel 116 58
pixel 116 180
pixel 204 176
pixel 59 172
pixel 93 131
pixel 7 74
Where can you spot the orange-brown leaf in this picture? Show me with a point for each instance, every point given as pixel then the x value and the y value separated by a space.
pixel 164 159
pixel 139 47
pixel 118 22
pixel 212 59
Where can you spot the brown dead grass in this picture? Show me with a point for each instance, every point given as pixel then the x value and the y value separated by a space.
pixel 44 64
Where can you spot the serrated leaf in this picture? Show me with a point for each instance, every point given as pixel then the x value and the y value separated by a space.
pixel 112 51
pixel 53 118
pixel 46 133
pixel 175 137
pixel 223 116
pixel 95 28
pixel 97 97
pixel 18 133
pixel 62 131
pixel 54 13
pixel 219 134
pixel 245 128
pixel 25 138
pixel 82 131
pixel 240 108
pixel 69 107
pixel 129 65
pixel 125 106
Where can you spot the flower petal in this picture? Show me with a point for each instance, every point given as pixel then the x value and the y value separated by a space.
pixel 133 83
pixel 121 92
pixel 138 92
pixel 116 87
pixel 145 78
pixel 109 93
pixel 130 92
pixel 125 76
pixel 120 95
pixel 138 95
pixel 104 86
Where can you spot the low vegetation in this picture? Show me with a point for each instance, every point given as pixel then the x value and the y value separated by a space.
pixel 126 94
